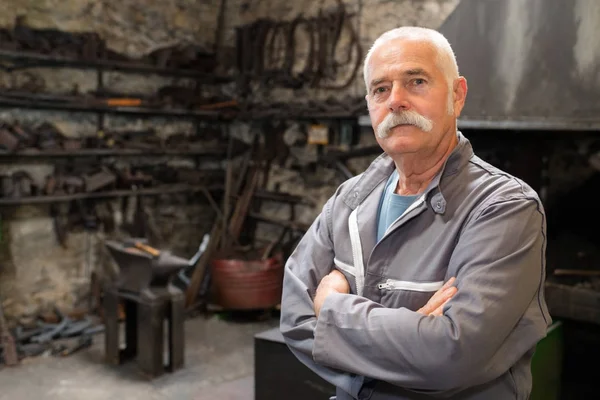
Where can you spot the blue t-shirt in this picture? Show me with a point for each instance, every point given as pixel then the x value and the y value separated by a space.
pixel 391 205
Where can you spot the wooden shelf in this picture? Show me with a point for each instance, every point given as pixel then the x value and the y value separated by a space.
pixel 75 105
pixel 208 152
pixel 166 189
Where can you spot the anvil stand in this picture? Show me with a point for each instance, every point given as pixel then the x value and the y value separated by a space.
pixel 148 300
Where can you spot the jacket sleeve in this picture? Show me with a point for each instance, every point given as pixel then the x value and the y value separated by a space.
pixel 309 263
pixel 499 265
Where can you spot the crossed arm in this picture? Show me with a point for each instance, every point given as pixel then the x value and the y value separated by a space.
pixel 342 337
pixel 335 282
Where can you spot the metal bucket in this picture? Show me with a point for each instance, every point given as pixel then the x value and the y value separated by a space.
pixel 248 284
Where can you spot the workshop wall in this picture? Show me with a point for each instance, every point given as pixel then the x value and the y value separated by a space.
pixel 35 271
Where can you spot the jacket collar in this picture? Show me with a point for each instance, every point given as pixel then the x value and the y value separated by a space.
pixel 382 167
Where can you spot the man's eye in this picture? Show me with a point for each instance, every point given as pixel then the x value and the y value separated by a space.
pixel 419 81
pixel 379 90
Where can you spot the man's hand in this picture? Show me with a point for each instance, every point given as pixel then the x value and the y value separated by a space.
pixel 334 282
pixel 435 305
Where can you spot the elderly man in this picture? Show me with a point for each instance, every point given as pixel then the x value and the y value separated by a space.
pixel 423 276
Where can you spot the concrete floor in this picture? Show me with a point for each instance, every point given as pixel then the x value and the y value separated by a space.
pixel 219 364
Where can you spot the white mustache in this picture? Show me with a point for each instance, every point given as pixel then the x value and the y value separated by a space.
pixel 408 117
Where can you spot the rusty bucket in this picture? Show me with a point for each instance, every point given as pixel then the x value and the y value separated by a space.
pixel 248 284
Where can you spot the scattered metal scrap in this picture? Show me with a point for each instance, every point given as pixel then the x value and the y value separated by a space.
pixel 85 176
pixel 45 138
pixel 63 338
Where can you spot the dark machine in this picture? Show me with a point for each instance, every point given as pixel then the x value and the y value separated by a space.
pixel 148 300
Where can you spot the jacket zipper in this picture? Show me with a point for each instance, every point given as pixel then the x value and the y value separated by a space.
pixel 392 284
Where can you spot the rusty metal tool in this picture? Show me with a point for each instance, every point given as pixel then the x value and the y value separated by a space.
pixel 83 342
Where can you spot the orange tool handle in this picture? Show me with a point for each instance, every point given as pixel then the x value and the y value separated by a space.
pixel 148 249
pixel 124 102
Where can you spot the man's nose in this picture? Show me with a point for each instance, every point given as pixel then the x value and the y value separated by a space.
pixel 398 99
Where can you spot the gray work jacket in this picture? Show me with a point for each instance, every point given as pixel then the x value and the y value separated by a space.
pixel 474 222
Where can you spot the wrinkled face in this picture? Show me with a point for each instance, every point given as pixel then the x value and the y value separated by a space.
pixel 408 98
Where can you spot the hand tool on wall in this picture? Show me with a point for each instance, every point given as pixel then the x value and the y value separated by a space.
pixel 124 102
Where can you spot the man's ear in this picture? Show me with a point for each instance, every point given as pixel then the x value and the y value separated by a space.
pixel 460 94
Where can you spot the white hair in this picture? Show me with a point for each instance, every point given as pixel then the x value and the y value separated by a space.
pixel 446 59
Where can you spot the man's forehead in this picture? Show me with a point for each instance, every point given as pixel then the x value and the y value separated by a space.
pixel 402 49
pixel 403 56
